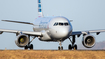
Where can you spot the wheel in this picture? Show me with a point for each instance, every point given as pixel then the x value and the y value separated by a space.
pixel 61 47
pixel 58 47
pixel 75 47
pixel 26 48
pixel 31 47
pixel 69 47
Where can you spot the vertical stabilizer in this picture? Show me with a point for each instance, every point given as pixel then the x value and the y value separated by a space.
pixel 40 14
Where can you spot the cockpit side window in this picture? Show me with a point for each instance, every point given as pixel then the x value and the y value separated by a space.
pixel 55 24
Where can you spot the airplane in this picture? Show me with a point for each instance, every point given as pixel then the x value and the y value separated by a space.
pixel 51 29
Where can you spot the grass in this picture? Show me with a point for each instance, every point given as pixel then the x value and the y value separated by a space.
pixel 51 54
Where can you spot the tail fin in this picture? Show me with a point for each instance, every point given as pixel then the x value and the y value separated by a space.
pixel 40 14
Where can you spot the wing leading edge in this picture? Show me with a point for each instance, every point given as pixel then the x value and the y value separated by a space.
pixel 21 32
pixel 18 22
pixel 87 32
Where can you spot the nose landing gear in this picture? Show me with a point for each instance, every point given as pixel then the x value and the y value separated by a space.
pixel 60 47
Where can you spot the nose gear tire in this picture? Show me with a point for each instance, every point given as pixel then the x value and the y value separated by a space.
pixel 60 48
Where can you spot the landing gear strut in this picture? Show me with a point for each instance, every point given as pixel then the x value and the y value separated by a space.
pixel 29 45
pixel 60 47
pixel 72 45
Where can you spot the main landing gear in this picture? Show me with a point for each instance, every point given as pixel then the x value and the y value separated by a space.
pixel 30 46
pixel 72 45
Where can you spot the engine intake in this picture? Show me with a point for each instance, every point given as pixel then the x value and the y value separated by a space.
pixel 88 41
pixel 22 40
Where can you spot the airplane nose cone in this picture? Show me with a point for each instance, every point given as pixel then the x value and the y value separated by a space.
pixel 61 33
pixel 64 32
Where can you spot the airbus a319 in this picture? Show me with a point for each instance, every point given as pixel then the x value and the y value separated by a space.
pixel 55 29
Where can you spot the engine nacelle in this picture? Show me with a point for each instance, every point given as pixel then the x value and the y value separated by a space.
pixel 88 41
pixel 22 40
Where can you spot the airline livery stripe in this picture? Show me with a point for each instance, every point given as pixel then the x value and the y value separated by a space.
pixel 39 1
pixel 40 14
pixel 39 10
pixel 39 5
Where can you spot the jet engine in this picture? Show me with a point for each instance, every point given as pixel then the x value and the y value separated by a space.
pixel 22 40
pixel 88 41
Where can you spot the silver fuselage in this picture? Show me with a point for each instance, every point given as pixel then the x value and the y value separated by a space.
pixel 53 28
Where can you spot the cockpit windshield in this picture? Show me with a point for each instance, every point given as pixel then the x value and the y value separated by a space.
pixel 66 24
pixel 61 24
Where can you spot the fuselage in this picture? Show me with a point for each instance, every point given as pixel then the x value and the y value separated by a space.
pixel 53 28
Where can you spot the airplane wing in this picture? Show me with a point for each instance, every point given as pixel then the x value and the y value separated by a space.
pixel 86 32
pixel 21 32
pixel 18 22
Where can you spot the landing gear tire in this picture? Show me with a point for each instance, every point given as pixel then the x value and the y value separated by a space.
pixel 69 47
pixel 72 45
pixel 60 48
pixel 26 48
pixel 31 47
pixel 75 47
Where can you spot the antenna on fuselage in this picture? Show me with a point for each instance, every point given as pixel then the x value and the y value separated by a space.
pixel 40 14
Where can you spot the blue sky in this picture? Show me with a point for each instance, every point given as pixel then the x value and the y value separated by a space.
pixel 86 15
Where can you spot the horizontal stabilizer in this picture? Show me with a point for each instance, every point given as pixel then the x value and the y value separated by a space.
pixel 18 22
